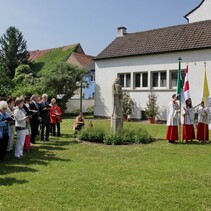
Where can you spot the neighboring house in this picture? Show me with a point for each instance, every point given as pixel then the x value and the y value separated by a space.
pixel 89 93
pixel 72 54
pixel 86 62
pixel 148 62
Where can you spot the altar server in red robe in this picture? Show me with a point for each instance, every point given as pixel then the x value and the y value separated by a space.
pixel 188 121
pixel 173 111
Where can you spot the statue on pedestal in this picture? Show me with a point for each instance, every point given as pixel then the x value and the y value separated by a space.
pixel 116 119
pixel 118 96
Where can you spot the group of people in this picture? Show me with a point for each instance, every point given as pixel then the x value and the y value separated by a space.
pixel 186 115
pixel 25 116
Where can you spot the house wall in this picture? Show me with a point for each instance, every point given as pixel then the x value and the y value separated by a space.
pixel 202 13
pixel 108 70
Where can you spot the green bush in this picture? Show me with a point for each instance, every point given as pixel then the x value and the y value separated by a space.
pixel 142 137
pixel 116 139
pixel 92 134
pixel 128 136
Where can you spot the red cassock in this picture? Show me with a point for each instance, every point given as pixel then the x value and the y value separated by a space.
pixel 188 123
pixel 188 132
pixel 203 121
pixel 203 132
pixel 172 133
pixel 172 121
pixel 55 113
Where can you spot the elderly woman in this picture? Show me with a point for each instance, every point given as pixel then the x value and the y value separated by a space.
pixel 4 129
pixel 20 125
pixel 55 117
pixel 10 111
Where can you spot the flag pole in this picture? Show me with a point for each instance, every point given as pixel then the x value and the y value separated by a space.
pixel 180 105
pixel 205 116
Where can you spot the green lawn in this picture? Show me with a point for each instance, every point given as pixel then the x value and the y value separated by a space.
pixel 67 175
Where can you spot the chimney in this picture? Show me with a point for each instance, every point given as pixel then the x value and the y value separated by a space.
pixel 122 31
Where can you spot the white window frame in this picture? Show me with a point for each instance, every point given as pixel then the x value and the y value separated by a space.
pixel 125 80
pixel 159 79
pixel 141 80
pixel 92 76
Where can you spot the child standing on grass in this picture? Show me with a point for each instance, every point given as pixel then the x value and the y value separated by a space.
pixel 20 125
pixel 172 120
pixel 203 123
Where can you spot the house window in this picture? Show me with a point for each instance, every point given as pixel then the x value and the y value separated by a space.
pixel 92 78
pixel 125 80
pixel 159 79
pixel 141 80
pixel 173 78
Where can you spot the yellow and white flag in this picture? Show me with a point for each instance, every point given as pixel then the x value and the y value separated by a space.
pixel 206 93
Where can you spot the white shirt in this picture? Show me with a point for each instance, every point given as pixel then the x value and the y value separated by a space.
pixel 187 115
pixel 172 114
pixel 204 115
pixel 20 118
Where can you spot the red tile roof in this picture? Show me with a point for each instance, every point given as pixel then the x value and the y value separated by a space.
pixel 170 39
pixel 83 59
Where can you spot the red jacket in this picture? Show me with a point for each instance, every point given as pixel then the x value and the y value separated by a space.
pixel 53 115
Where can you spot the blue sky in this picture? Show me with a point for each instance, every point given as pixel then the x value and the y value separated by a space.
pixel 93 23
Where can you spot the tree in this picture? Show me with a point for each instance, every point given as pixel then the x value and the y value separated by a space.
pixel 152 109
pixel 61 79
pixel 128 104
pixel 6 86
pixel 13 51
pixel 26 81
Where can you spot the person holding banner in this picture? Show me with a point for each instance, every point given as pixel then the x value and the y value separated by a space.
pixel 172 120
pixel 203 122
pixel 188 121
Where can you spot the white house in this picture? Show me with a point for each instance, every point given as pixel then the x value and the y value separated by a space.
pixel 148 61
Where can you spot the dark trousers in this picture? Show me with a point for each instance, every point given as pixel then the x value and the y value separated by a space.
pixel 53 127
pixel 3 146
pixel 45 125
pixel 34 130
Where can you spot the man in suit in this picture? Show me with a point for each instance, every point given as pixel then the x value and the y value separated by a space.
pixel 35 119
pixel 45 115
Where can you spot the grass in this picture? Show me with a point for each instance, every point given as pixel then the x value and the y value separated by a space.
pixel 66 175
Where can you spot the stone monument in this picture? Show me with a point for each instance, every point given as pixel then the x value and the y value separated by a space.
pixel 117 118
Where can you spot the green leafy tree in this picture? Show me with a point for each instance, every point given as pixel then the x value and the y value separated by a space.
pixel 13 51
pixel 6 86
pixel 61 79
pixel 27 83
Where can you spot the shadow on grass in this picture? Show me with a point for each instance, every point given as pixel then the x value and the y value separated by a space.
pixel 194 143
pixel 9 169
pixel 10 181
pixel 67 135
